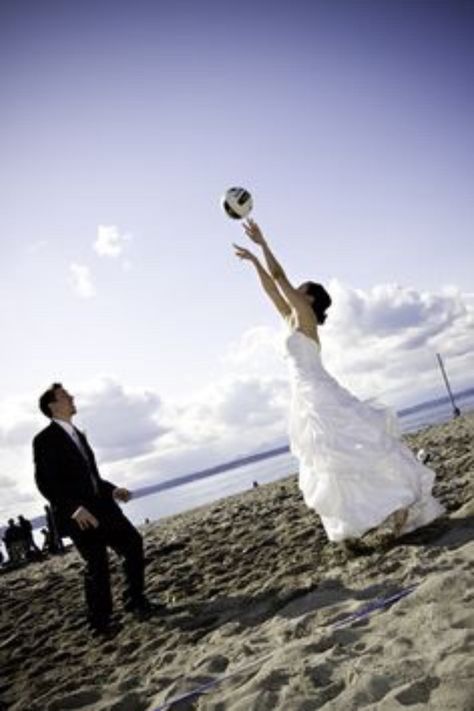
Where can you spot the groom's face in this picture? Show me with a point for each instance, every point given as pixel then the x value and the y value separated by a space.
pixel 63 405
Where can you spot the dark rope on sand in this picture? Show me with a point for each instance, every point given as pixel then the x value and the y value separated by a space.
pixel 378 604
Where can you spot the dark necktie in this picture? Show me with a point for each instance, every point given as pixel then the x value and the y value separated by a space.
pixel 78 442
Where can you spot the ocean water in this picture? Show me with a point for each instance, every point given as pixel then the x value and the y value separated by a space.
pixel 203 491
pixel 420 416
pixel 238 479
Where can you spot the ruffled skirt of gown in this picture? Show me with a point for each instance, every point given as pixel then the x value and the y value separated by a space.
pixel 354 469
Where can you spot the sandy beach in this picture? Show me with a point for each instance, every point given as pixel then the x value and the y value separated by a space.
pixel 254 594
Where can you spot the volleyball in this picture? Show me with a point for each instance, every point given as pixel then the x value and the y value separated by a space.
pixel 237 203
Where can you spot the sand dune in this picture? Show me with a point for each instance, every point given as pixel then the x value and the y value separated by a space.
pixel 254 593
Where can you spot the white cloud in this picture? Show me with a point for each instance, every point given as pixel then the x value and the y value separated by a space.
pixel 258 352
pixel 383 341
pixel 251 402
pixel 81 280
pixel 380 343
pixel 19 493
pixel 122 423
pixel 230 419
pixel 109 242
pixel 230 408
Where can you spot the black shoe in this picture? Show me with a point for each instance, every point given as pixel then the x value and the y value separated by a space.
pixel 144 609
pixel 105 630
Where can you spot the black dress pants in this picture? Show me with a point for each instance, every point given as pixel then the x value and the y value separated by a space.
pixel 114 531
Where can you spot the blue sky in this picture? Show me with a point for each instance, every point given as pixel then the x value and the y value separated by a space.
pixel 122 124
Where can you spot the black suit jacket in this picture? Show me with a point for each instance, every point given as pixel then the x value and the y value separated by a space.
pixel 66 479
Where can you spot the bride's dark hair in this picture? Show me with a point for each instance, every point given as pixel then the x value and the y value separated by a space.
pixel 321 300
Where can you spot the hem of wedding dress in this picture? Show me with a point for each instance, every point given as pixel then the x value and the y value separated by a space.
pixel 417 518
pixel 353 532
pixel 422 514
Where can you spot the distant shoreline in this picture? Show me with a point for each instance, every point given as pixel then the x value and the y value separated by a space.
pixel 427 404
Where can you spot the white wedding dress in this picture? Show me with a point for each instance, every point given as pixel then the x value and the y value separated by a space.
pixel 354 469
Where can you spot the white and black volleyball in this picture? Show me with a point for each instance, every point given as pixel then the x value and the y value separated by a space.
pixel 237 203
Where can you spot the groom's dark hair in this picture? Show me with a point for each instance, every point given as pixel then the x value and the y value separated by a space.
pixel 321 300
pixel 47 398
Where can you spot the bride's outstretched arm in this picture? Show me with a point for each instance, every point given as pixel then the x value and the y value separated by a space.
pixel 277 272
pixel 253 231
pixel 266 281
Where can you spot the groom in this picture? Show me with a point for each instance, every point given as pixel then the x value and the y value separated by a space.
pixel 86 511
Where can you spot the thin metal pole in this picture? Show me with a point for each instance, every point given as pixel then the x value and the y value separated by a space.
pixel 456 410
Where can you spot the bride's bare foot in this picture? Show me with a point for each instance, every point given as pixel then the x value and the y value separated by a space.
pixel 399 521
pixel 391 528
pixel 354 546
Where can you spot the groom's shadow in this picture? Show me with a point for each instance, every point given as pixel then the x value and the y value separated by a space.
pixel 446 531
pixel 248 611
pixel 201 617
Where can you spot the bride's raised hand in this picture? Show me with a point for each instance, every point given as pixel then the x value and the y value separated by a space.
pixel 253 231
pixel 245 254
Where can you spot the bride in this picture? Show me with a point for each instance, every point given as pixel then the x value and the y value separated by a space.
pixel 354 471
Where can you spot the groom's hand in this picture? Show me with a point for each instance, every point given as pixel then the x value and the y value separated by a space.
pixel 121 494
pixel 84 518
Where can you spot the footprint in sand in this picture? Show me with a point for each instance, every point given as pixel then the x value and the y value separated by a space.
pixel 419 692
pixel 130 702
pixel 216 664
pixel 276 679
pixel 329 693
pixel 76 700
pixel 319 647
pixel 131 682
